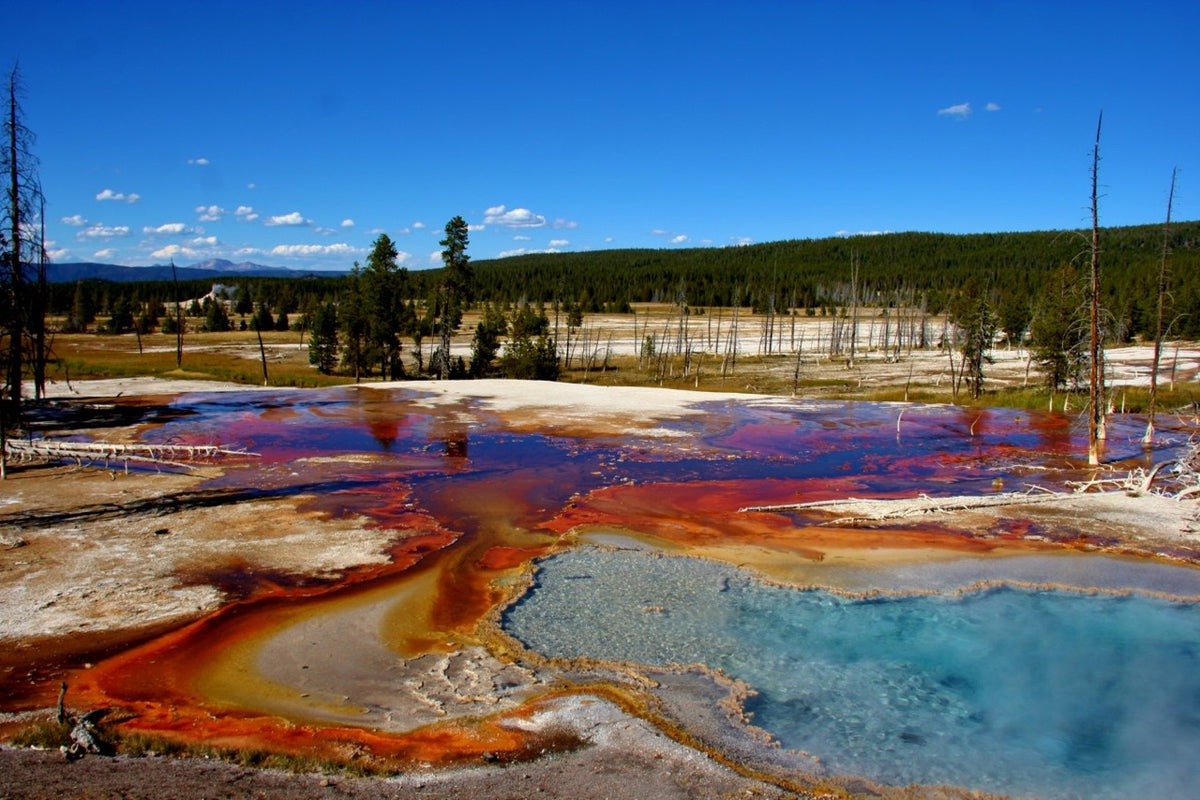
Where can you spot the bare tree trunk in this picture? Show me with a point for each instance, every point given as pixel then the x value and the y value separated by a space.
pixel 796 374
pixel 179 322
pixel 1096 415
pixel 854 307
pixel 16 220
pixel 262 351
pixel 1148 439
pixel 38 321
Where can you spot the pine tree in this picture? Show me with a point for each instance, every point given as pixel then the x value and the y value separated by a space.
pixel 455 291
pixel 323 346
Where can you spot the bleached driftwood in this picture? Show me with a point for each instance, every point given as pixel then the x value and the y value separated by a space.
pixel 868 510
pixel 1178 479
pixel 109 454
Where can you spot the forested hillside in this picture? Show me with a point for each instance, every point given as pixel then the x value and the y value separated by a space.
pixel 1012 267
pixel 910 269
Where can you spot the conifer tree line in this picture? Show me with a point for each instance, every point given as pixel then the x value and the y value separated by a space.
pixel 1032 287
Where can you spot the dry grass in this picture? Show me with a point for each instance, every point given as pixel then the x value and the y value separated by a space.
pixel 614 344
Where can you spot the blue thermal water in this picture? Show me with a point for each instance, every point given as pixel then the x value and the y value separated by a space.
pixel 1034 693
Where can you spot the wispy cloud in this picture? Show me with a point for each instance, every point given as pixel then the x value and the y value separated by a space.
pixel 246 213
pixel 200 162
pixel 109 194
pixel 740 241
pixel 564 224
pixel 960 111
pixel 205 241
pixel 313 249
pixel 559 242
pixel 169 229
pixel 102 231
pixel 520 238
pixel 847 234
pixel 107 252
pixel 513 218
pixel 992 106
pixel 210 213
pixel 293 220
pixel 75 219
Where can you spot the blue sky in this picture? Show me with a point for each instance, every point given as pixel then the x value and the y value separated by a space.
pixel 292 134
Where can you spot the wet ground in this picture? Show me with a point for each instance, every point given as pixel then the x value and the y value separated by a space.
pixel 399 659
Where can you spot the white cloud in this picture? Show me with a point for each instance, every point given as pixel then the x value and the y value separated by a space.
pixel 75 219
pixel 251 185
pixel 960 111
pixel 313 249
pixel 205 241
pixel 741 241
pixel 993 106
pixel 476 227
pixel 680 239
pixel 608 240
pixel 107 252
pixel 109 194
pixel 565 224
pixel 246 213
pixel 172 250
pixel 347 223
pixel 210 213
pixel 520 251
pixel 519 238
pixel 169 229
pixel 559 243
pixel 200 162
pixel 243 252
pixel 323 231
pixel 659 232
pixel 59 254
pixel 418 226
pixel 102 231
pixel 293 220
pixel 514 218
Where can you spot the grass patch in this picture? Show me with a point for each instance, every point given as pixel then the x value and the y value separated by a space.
pixel 43 735
pixel 138 743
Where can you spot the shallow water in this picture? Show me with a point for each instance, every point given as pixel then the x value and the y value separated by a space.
pixel 1056 694
pixel 471 495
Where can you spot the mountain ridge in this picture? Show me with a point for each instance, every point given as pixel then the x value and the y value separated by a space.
pixel 212 268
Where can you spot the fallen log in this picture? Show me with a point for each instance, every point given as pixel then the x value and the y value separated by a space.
pixel 105 453
pixel 875 510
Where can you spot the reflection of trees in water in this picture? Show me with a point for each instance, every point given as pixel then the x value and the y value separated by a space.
pixel 453 435
pixel 385 430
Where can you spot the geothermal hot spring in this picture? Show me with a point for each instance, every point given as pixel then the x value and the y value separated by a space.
pixel 993 660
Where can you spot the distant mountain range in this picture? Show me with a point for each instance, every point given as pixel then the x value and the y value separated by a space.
pixel 213 268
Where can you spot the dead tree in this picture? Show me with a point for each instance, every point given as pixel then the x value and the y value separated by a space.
pixel 22 202
pixel 1148 439
pixel 1096 416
